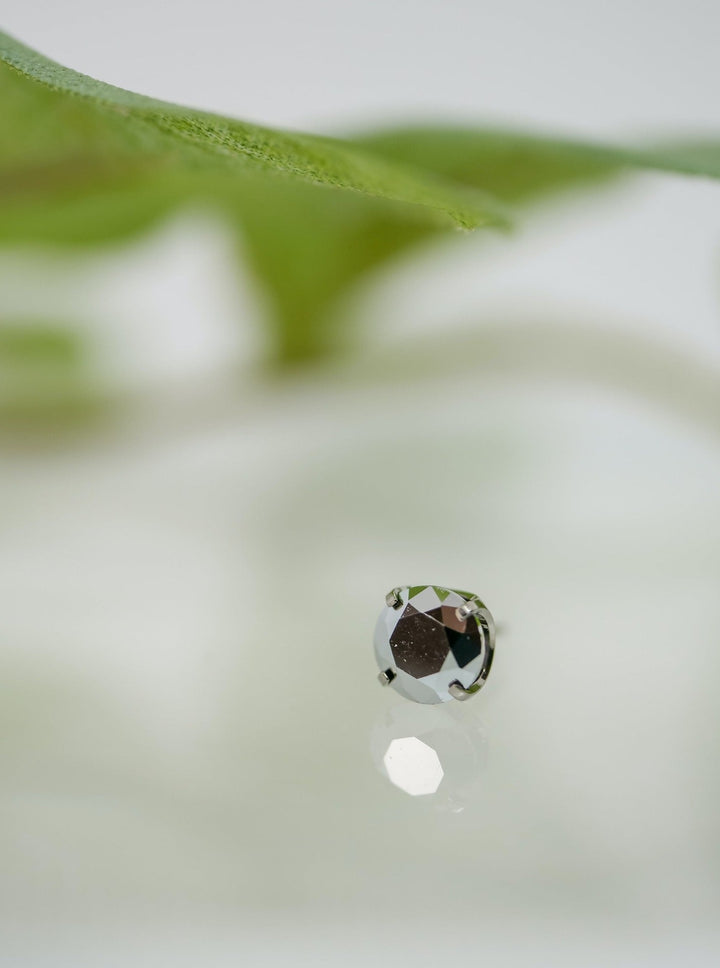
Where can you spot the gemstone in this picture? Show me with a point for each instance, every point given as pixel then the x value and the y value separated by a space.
pixel 425 644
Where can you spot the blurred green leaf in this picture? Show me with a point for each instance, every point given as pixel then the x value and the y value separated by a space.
pixel 45 377
pixel 82 163
pixel 518 167
pixel 39 344
pixel 65 128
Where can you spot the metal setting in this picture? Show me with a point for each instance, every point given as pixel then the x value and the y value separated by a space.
pixel 485 619
pixel 468 609
pixel 434 644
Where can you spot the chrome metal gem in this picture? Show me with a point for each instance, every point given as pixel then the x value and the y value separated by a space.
pixel 434 644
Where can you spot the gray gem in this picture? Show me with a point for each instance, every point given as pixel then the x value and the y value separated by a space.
pixel 427 646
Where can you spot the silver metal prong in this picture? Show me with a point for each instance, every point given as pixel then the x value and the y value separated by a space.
pixel 487 624
pixel 459 692
pixel 392 599
pixel 386 677
pixel 467 609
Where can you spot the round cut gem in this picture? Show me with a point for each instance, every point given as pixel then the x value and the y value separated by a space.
pixel 425 644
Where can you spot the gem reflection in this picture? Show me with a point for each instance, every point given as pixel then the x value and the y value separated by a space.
pixel 430 752
pixel 413 766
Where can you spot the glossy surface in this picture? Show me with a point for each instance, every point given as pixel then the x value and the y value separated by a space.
pixel 428 638
pixel 143 760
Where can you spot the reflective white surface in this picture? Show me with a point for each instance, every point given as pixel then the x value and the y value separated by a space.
pixel 190 698
pixel 436 752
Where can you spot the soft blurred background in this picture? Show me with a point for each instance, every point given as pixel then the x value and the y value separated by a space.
pixel 202 511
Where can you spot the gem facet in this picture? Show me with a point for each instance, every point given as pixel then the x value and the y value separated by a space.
pixel 424 644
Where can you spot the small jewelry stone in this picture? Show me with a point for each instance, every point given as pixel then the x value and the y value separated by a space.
pixel 434 644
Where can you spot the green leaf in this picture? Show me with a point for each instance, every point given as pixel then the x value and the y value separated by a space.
pixel 307 273
pixel 75 124
pixel 519 168
pixel 46 381
pixel 82 163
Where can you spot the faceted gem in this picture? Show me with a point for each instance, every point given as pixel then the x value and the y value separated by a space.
pixel 428 645
pixel 419 643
